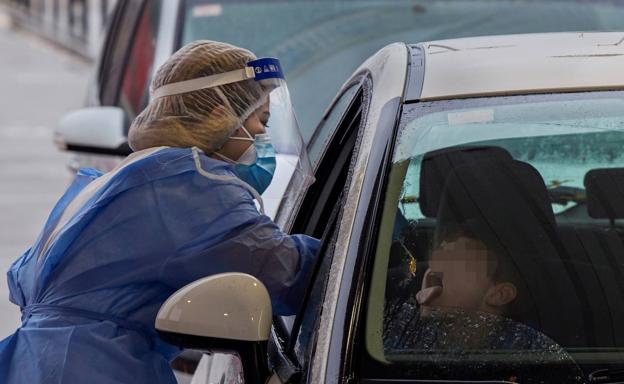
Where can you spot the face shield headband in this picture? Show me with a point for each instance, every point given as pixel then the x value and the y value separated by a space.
pixel 267 71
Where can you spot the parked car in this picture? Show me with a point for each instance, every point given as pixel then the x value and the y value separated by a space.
pixel 319 43
pixel 531 129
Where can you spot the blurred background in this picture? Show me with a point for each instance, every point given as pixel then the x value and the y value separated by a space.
pixel 47 51
pixel 58 56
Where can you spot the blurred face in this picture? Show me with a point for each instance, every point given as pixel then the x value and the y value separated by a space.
pixel 457 278
pixel 255 124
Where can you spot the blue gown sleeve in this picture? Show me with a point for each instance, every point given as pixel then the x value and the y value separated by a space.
pixel 215 228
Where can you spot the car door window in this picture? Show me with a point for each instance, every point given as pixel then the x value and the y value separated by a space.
pixel 321 197
pixel 317 217
pixel 331 171
pixel 327 127
pixel 340 114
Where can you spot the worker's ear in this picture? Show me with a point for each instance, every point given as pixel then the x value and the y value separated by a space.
pixel 501 294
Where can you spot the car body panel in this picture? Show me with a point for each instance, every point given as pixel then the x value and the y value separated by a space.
pixel 522 64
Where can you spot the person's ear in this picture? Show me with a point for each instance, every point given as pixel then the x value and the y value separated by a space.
pixel 501 294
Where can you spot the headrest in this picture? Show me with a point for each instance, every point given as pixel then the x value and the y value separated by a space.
pixel 437 165
pixel 505 205
pixel 605 193
pixel 507 199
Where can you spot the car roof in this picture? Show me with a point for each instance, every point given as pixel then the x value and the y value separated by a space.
pixel 522 64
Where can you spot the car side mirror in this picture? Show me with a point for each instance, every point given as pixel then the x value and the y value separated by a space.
pixel 94 130
pixel 227 313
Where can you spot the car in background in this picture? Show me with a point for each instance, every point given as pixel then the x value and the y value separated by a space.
pixel 318 42
pixel 546 109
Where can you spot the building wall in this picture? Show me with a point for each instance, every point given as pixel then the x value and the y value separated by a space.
pixel 76 25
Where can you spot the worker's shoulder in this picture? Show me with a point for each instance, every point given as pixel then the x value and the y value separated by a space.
pixel 171 162
pixel 184 169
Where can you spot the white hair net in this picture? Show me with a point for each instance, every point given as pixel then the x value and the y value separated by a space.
pixel 203 118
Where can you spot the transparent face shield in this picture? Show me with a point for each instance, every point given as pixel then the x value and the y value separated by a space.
pixel 292 162
pixel 283 145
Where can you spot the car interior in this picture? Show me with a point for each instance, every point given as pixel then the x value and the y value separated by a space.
pixel 571 263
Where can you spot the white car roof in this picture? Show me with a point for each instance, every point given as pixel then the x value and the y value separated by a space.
pixel 521 64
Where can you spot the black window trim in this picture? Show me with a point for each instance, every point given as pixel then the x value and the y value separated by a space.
pixel 346 335
pixel 283 217
pixel 285 342
pixel 319 276
pixel 111 97
pixel 356 82
pixel 311 199
pixel 180 23
pixel 111 31
pixel 335 150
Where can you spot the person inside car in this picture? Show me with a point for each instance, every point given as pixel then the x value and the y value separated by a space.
pixel 117 245
pixel 464 273
pixel 494 226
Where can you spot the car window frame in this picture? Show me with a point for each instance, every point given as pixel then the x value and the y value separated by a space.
pixel 119 39
pixel 110 32
pixel 339 136
pixel 148 9
pixel 284 216
pixel 299 223
pixel 346 336
pixel 349 126
pixel 352 86
pixel 179 24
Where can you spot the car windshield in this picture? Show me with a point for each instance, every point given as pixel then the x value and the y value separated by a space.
pixel 501 247
pixel 321 42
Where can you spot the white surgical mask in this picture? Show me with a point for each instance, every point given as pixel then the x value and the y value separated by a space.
pixel 249 156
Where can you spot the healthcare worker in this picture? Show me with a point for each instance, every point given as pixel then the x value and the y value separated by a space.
pixel 186 204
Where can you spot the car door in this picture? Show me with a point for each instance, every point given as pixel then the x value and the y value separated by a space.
pixel 331 150
pixel 334 320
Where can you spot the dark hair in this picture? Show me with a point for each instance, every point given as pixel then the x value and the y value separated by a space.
pixel 500 263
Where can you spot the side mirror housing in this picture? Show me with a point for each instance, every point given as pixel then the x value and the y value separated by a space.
pixel 229 313
pixel 98 130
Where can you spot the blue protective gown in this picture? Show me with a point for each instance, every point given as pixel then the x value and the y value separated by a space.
pixel 89 297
